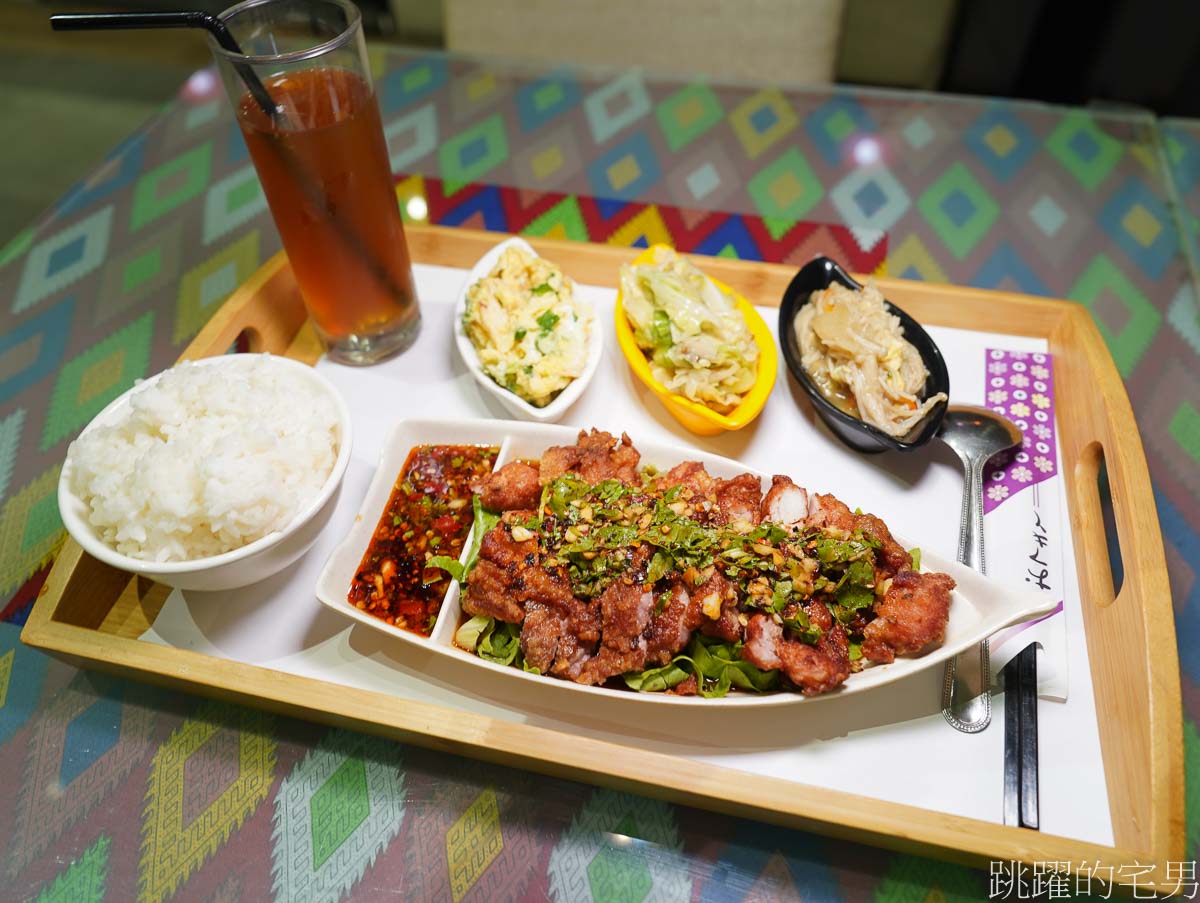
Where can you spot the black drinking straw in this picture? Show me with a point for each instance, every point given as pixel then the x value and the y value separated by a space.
pixel 217 28
pixel 193 19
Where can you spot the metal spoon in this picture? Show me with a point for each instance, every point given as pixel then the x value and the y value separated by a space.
pixel 975 434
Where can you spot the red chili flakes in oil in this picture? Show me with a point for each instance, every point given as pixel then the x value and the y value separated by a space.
pixel 429 513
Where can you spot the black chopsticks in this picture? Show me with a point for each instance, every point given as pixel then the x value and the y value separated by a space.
pixel 1021 740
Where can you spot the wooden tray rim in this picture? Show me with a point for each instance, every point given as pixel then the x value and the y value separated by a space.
pixel 836 813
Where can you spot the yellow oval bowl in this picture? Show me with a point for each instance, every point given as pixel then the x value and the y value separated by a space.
pixel 696 417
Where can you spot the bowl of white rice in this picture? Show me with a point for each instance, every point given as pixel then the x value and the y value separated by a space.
pixel 211 475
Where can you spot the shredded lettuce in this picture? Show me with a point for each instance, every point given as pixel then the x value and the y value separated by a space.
pixel 483 522
pixel 451 566
pixel 467 636
pixel 492 640
pixel 718 666
pixel 656 680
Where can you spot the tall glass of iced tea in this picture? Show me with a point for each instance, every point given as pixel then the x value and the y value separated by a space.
pixel 318 146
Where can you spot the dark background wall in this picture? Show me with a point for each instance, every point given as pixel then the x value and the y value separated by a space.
pixel 1141 52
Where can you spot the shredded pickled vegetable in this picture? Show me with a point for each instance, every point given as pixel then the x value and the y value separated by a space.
pixel 856 353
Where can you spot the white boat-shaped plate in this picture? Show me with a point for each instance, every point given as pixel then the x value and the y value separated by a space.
pixel 514 403
pixel 979 606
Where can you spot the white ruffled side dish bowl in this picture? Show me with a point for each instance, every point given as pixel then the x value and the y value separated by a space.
pixel 513 403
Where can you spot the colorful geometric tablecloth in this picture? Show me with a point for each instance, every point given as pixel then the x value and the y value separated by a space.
pixel 120 791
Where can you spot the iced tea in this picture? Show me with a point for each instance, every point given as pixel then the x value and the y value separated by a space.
pixel 325 172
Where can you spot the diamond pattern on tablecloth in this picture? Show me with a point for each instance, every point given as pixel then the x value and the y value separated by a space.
pixel 704 179
pixel 138 272
pixel 759 864
pixel 1126 318
pixel 63 258
pixel 917 141
pixel 411 137
pixel 785 190
pixel 87 383
pixel 335 813
pixel 1084 149
pixel 473 843
pixel 172 849
pixel 687 114
pixel 1006 269
pixel 473 152
pixel 596 861
pixel 475 91
pixel 231 202
pixel 549 160
pixel 120 168
pixel 563 220
pixel 408 84
pixel 169 185
pixel 89 735
pixel 616 106
pixel 30 530
pixel 1183 153
pixel 1184 316
pixel 959 209
pixel 82 745
pixel 1020 386
pixel 84 880
pixel 540 101
pixel 1001 142
pixel 10 441
pixel 833 126
pixel 870 197
pixel 1142 226
pixel 626 170
pixel 204 287
pixel 1049 215
pixel 762 120
pixel 18 698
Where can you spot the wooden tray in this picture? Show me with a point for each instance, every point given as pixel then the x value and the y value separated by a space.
pixel 91 614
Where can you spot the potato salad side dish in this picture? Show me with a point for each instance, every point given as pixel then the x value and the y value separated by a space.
pixel 694 337
pixel 529 330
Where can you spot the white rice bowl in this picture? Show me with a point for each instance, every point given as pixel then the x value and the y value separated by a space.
pixel 206 459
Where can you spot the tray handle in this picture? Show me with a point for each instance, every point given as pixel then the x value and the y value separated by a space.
pixel 267 312
pixel 1130 633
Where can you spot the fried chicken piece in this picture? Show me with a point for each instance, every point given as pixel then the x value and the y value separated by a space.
pixel 496 584
pixel 719 605
pixel 540 632
pixel 515 485
pixel 689 475
pixel 911 615
pixel 560 632
pixel 559 639
pixel 489 590
pixel 625 612
pixel 785 504
pixel 595 456
pixel 739 498
pixel 499 546
pixel 671 629
pixel 814 669
pixel 830 512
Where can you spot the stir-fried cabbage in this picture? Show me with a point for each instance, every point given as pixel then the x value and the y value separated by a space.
pixel 696 340
pixel 856 353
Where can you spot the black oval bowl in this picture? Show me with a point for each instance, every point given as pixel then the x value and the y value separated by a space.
pixel 819 273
